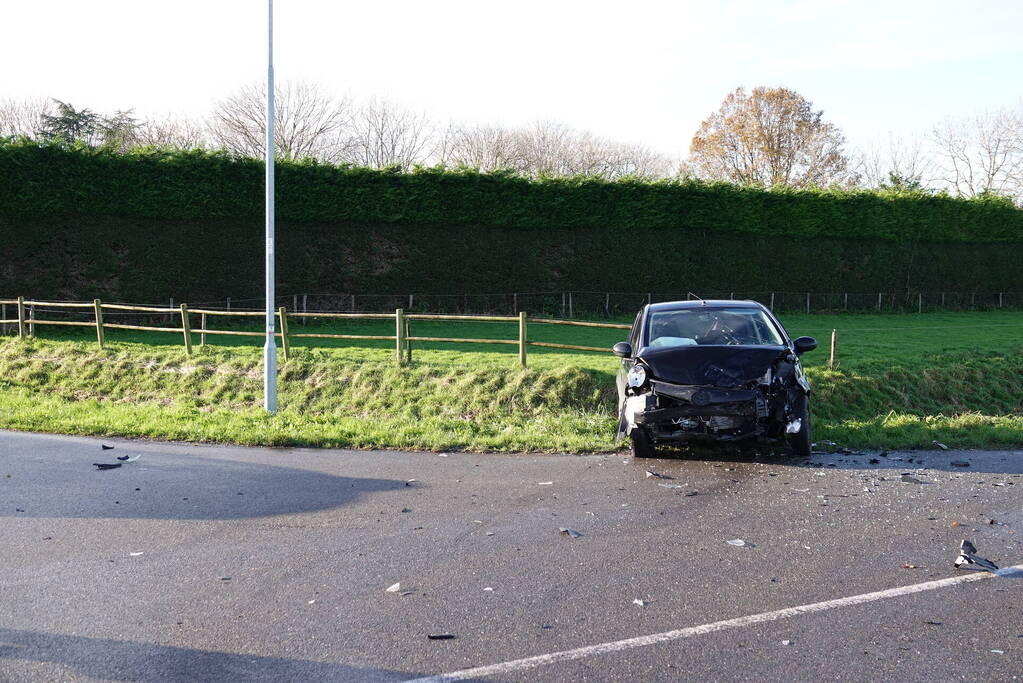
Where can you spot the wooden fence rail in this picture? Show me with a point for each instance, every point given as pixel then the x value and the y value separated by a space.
pixel 402 336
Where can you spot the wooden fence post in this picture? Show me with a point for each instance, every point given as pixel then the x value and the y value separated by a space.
pixel 399 335
pixel 186 329
pixel 522 338
pixel 408 344
pixel 282 316
pixel 21 317
pixel 32 321
pixel 919 302
pixel 831 358
pixel 808 303
pixel 305 309
pixel 570 312
pixel 879 302
pixel 772 301
pixel 99 321
pixel 202 335
pixel 3 316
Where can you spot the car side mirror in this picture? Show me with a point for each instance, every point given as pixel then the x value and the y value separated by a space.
pixel 804 344
pixel 624 349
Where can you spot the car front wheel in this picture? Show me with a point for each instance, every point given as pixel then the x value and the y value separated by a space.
pixel 641 445
pixel 802 441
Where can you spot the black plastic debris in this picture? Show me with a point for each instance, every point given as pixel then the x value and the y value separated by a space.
pixel 959 463
pixel 940 445
pixel 968 555
pixel 874 461
pixel 107 465
pixel 571 533
pixel 106 447
pixel 128 458
pixel 440 636
pixel 658 475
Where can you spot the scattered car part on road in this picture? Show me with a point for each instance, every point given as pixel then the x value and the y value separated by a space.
pixel 440 636
pixel 571 533
pixel 107 465
pixel 968 555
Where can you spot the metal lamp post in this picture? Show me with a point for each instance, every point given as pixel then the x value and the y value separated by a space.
pixel 270 348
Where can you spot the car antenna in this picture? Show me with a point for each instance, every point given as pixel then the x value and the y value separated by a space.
pixel 697 298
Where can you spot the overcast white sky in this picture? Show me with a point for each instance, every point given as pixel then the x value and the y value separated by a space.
pixel 642 71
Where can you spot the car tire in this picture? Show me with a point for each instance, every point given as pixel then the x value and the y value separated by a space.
pixel 802 442
pixel 640 443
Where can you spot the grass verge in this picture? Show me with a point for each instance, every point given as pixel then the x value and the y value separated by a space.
pixel 459 399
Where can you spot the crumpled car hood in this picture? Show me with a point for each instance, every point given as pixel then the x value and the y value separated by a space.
pixel 720 366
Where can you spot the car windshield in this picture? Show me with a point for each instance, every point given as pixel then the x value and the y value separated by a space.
pixel 711 327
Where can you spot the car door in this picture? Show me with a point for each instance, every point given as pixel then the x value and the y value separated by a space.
pixel 621 379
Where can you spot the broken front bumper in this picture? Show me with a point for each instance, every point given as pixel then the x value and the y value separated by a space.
pixel 674 412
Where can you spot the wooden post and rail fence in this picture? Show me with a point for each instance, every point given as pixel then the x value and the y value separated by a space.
pixel 27 320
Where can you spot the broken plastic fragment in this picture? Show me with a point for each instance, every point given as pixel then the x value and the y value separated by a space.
pixel 489 589
pixel 959 463
pixel 571 533
pixel 545 483
pixel 911 566
pixel 106 465
pixel 394 588
pixel 658 475
pixel 940 445
pixel 786 642
pixel 910 479
pixel 105 447
pixel 128 458
pixel 134 554
pixel 738 542
pixel 639 602
pixel 440 636
pixel 671 486
pixel 311 601
pixel 968 555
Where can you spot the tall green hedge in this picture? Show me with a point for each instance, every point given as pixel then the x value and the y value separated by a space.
pixel 80 223
pixel 53 180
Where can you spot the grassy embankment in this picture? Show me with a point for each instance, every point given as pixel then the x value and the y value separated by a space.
pixel 901 381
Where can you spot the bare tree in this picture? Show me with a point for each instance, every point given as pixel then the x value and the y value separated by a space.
pixel 770 136
pixel 983 154
pixel 552 149
pixel 384 134
pixel 307 122
pixel 897 162
pixel 24 118
pixel 173 132
pixel 485 148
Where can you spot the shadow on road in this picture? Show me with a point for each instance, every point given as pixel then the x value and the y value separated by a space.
pixel 164 485
pixel 122 660
pixel 993 462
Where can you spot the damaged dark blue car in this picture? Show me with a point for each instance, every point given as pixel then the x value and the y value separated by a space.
pixel 719 371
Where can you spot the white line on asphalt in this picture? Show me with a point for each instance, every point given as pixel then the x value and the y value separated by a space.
pixel 643 641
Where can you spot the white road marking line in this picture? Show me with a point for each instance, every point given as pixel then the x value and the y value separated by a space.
pixel 643 641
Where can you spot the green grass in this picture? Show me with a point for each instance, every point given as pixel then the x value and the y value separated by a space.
pixel 901 381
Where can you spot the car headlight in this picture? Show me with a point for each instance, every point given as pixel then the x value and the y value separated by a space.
pixel 637 376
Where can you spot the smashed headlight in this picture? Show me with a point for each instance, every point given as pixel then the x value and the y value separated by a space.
pixel 637 376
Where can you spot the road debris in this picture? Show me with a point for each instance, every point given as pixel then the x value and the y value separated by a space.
pixel 107 465
pixel 968 555
pixel 639 602
pixel 959 463
pixel 671 486
pixel 874 461
pixel 933 623
pixel 545 483
pixel 311 602
pixel 440 636
pixel 409 482
pixel 911 566
pixel 128 458
pixel 908 478
pixel 105 447
pixel 998 652
pixel 394 588
pixel 571 533
pixel 225 578
pixel 737 542
pixel 658 475
pixel 489 589
pixel 786 642
pixel 940 445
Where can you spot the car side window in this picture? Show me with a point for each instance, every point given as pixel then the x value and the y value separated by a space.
pixel 634 334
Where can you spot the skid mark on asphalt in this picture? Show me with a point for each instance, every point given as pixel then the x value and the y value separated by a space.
pixel 740 622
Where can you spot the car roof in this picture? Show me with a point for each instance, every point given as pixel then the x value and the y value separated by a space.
pixel 696 303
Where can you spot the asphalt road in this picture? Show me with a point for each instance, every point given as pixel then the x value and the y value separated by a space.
pixel 205 563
